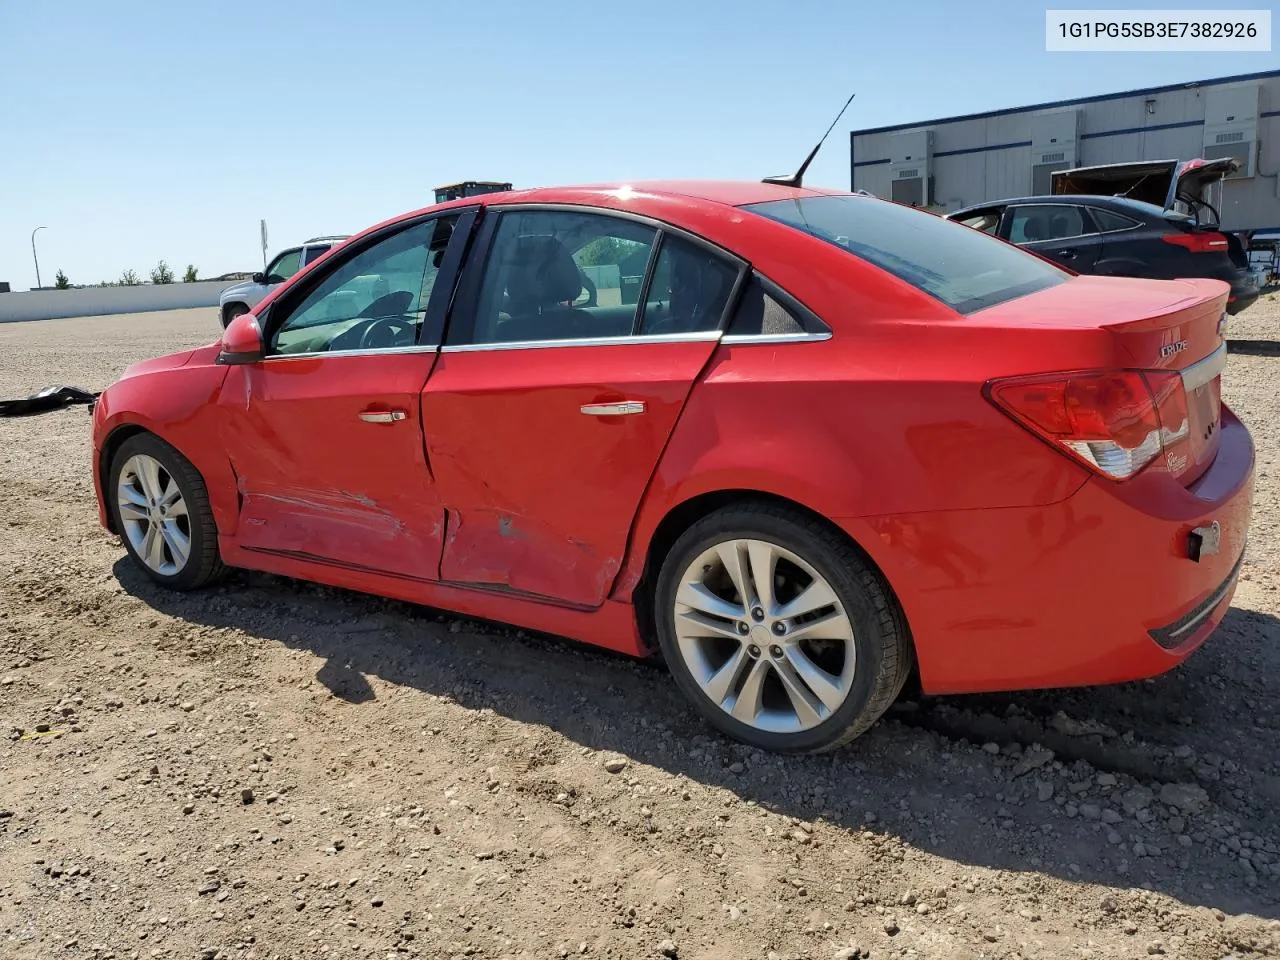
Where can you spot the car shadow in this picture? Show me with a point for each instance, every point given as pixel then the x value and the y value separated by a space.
pixel 927 774
pixel 1254 348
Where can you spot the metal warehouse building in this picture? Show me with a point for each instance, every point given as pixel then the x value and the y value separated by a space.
pixel 950 163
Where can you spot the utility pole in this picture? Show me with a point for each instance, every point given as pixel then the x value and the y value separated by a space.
pixel 33 253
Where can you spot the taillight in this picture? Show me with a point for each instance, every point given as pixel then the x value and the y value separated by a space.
pixel 1115 422
pixel 1207 242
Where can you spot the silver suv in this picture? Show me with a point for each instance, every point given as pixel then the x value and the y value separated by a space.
pixel 242 297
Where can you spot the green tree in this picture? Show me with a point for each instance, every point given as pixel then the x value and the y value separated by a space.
pixel 61 282
pixel 162 273
pixel 128 279
pixel 606 250
pixel 191 276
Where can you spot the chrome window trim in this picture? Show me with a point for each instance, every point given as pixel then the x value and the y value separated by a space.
pixel 1205 371
pixel 741 338
pixel 701 336
pixel 370 352
pixel 1074 236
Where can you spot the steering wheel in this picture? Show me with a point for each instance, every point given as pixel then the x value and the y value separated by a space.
pixel 388 332
pixel 589 287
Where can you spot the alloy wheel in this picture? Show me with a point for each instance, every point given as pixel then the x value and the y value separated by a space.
pixel 764 636
pixel 154 515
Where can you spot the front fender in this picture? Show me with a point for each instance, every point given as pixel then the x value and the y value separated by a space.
pixel 246 292
pixel 176 404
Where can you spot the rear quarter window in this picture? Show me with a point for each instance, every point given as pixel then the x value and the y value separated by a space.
pixel 315 253
pixel 1111 222
pixel 962 267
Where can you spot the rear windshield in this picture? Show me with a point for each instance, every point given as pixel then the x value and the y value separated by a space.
pixel 964 268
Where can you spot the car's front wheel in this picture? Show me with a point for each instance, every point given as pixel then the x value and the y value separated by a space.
pixel 778 630
pixel 161 510
pixel 231 311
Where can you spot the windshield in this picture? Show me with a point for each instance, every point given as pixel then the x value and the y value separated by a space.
pixel 964 268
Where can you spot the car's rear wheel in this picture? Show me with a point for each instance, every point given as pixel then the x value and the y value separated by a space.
pixel 231 311
pixel 778 629
pixel 160 506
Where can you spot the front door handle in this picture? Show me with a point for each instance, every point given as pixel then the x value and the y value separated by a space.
pixel 1067 254
pixel 622 408
pixel 382 416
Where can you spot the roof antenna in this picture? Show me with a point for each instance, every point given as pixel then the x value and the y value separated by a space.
pixel 794 179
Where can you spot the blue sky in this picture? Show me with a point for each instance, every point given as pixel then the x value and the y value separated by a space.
pixel 137 130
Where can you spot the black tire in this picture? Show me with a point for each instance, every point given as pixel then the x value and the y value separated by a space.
pixel 884 654
pixel 231 311
pixel 204 564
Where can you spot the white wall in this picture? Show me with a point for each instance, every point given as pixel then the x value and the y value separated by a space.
pixel 97 301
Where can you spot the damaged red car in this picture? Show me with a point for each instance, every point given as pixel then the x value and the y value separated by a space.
pixel 799 443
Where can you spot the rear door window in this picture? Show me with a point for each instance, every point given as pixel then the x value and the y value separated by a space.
pixel 1047 221
pixel 562 275
pixel 315 253
pixel 962 267
pixel 689 290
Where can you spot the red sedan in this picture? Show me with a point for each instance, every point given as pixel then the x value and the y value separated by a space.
pixel 801 442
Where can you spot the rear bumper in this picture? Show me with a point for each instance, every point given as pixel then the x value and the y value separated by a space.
pixel 1098 588
pixel 1244 290
pixel 1245 297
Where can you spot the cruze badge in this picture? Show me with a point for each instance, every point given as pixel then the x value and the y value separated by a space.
pixel 1169 349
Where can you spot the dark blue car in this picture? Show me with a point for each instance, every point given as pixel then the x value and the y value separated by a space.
pixel 1119 235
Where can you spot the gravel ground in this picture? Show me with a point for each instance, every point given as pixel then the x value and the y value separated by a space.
pixel 271 769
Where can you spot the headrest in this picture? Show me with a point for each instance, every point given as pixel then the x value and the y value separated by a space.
pixel 541 272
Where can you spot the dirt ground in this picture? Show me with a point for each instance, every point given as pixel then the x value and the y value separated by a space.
pixel 275 770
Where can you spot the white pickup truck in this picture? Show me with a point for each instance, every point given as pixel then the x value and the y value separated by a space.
pixel 242 297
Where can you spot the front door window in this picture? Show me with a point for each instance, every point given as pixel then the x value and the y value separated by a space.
pixel 284 266
pixel 375 300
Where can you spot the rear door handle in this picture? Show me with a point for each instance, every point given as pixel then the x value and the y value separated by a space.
pixel 382 416
pixel 621 409
pixel 1067 254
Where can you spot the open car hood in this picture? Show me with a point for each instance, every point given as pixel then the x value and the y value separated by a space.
pixel 1160 182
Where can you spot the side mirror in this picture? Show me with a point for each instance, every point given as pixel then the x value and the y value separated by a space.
pixel 242 341
pixel 259 277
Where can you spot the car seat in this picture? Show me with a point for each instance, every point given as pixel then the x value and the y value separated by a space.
pixel 542 280
pixel 699 288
